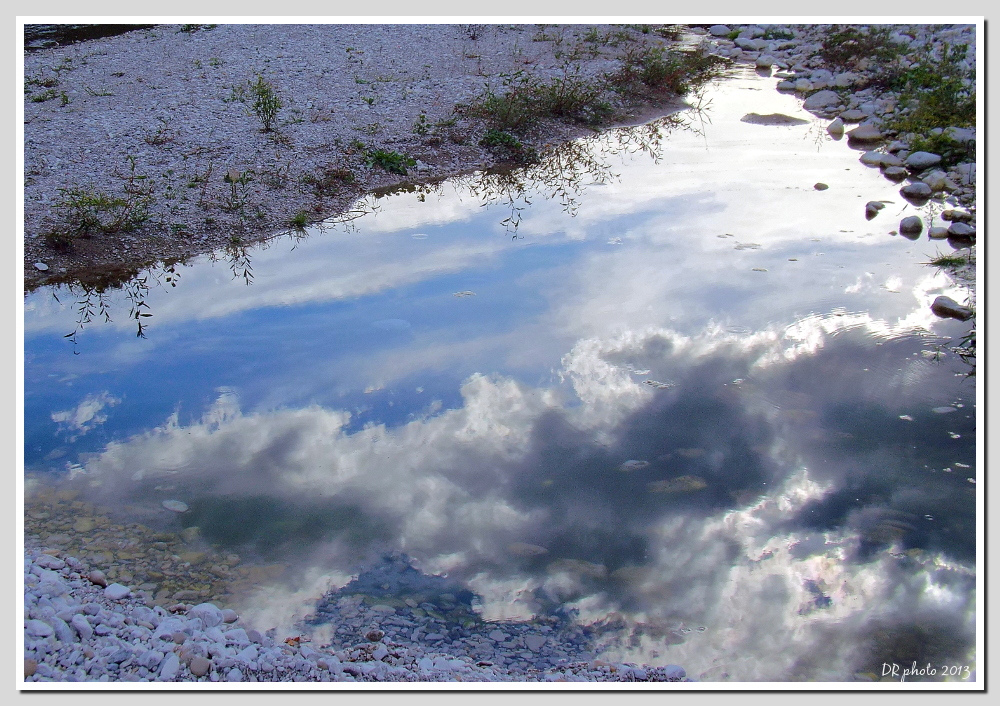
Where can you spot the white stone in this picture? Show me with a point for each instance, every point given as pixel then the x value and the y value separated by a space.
pixel 38 628
pixel 41 266
pixel 210 615
pixel 765 61
pixel 117 592
pixel 871 158
pixel 175 505
pixel 82 627
pixel 865 133
pixel 836 129
pixel 919 161
pixel 719 30
pixel 170 667
pixel 821 99
pixel 47 561
pixel 673 671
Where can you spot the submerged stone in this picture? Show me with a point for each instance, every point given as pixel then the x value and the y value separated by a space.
pixel 772 119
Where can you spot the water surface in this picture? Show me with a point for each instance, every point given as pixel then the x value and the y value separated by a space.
pixel 659 378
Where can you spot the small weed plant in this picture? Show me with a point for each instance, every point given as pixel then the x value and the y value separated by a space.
pixel 262 99
pixel 88 211
pixel 508 147
pixel 390 161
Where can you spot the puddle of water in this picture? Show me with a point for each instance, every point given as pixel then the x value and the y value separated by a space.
pixel 659 377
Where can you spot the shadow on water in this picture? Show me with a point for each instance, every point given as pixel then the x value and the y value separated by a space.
pixel 43 36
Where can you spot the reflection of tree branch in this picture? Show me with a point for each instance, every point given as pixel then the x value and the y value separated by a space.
pixel 94 298
pixel 563 171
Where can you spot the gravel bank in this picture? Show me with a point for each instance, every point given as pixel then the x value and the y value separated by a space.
pixel 78 627
pixel 160 104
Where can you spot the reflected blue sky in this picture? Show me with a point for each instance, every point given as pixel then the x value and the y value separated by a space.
pixel 708 397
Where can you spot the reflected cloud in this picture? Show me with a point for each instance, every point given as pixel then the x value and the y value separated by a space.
pixel 719 528
pixel 87 415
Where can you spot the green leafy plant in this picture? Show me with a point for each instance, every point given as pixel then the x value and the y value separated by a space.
pixel 390 161
pixel 507 146
pixel 656 70
pixel 266 102
pixel 421 127
pixel 777 33
pixel 44 96
pixel 262 99
pixel 853 46
pixel 937 91
pixel 239 183
pixel 299 221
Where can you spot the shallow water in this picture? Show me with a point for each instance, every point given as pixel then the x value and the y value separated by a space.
pixel 658 378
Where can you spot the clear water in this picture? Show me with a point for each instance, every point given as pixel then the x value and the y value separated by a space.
pixel 659 378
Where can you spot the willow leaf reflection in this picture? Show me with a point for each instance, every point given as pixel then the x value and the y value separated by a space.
pixel 563 171
pixel 94 298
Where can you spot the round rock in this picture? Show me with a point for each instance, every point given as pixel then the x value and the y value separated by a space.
pixel 836 129
pixel 948 308
pixel 917 191
pixel 200 666
pixel 911 225
pixel 822 99
pixel 820 186
pixel 919 161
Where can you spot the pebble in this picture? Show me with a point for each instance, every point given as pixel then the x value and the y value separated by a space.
pixel 946 307
pixel 117 592
pixel 175 505
pixel 917 191
pixel 865 133
pixel 820 186
pixel 919 161
pixel 911 225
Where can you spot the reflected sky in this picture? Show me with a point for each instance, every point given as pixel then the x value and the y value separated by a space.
pixel 689 391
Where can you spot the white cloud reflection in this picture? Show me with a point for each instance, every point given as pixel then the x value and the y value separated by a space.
pixel 778 600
